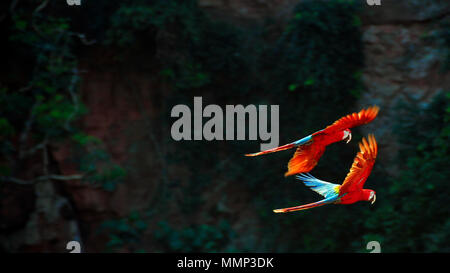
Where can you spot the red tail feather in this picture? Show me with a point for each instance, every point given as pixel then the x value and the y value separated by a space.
pixel 302 207
pixel 329 200
pixel 277 149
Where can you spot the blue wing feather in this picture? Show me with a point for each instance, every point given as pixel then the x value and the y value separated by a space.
pixel 303 140
pixel 326 189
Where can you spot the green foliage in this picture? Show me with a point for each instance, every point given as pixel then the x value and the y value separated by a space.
pixel 82 139
pixel 196 238
pixel 53 78
pixel 40 102
pixel 185 24
pixel 311 68
pixel 125 232
pixel 101 171
pixel 6 128
pixel 96 163
pixel 319 48
pixel 261 71
pixel 132 19
pixel 416 217
pixel 441 36
pixel 190 76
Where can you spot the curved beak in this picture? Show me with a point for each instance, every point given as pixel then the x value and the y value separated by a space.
pixel 349 137
pixel 373 199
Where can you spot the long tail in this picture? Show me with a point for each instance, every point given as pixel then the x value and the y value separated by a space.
pixel 308 206
pixel 277 149
pixel 284 147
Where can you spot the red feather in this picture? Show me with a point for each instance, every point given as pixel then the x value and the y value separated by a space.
pixel 352 120
pixel 361 167
pixel 307 155
pixel 277 149
pixel 351 190
pixel 305 158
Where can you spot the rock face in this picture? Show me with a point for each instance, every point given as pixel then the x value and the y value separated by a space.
pixel 405 11
pixel 119 103
pixel 39 219
pixel 400 65
pixel 402 62
pixel 248 9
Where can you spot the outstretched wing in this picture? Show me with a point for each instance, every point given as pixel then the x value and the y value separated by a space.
pixel 305 158
pixel 326 189
pixel 352 120
pixel 362 165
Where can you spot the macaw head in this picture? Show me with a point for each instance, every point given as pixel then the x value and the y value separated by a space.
pixel 372 197
pixel 347 136
pixel 369 195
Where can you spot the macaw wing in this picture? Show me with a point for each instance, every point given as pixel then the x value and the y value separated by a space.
pixel 362 165
pixel 326 189
pixel 305 158
pixel 352 120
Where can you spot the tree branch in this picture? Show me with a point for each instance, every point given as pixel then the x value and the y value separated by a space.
pixel 83 39
pixel 24 136
pixel 60 177
pixel 74 97
pixel 42 178
pixel 35 148
pixel 15 180
pixel 38 9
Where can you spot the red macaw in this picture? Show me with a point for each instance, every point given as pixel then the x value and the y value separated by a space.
pixel 310 148
pixel 351 190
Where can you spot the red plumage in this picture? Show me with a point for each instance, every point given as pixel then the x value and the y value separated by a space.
pixel 351 190
pixel 309 152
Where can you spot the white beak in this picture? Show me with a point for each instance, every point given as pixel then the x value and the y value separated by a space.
pixel 373 199
pixel 349 137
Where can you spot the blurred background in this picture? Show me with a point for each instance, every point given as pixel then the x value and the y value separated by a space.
pixel 86 152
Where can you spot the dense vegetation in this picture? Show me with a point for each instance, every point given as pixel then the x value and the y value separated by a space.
pixel 415 217
pixel 311 68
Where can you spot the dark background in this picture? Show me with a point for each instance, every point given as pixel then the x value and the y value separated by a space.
pixel 86 152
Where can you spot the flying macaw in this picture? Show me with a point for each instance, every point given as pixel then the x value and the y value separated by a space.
pixel 351 190
pixel 310 148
